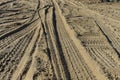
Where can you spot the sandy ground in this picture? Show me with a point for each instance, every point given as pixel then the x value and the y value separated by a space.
pixel 59 40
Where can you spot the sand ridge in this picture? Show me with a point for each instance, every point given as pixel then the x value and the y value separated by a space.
pixel 59 40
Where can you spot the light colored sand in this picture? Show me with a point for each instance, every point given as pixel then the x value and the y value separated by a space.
pixel 59 40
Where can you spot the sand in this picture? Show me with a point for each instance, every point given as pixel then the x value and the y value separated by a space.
pixel 59 40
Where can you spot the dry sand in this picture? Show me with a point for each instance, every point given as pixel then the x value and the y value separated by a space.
pixel 59 40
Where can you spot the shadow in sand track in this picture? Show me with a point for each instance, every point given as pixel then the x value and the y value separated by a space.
pixel 1 4
pixel 110 42
pixel 64 63
pixel 17 30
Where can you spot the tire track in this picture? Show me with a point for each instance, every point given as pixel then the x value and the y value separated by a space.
pixel 51 26
pixel 64 43
pixel 13 58
pixel 26 55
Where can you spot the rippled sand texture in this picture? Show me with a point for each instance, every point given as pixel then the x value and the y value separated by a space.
pixel 59 40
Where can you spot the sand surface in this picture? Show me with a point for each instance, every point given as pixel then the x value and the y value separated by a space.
pixel 59 40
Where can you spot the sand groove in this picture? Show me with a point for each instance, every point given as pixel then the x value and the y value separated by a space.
pixel 59 40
